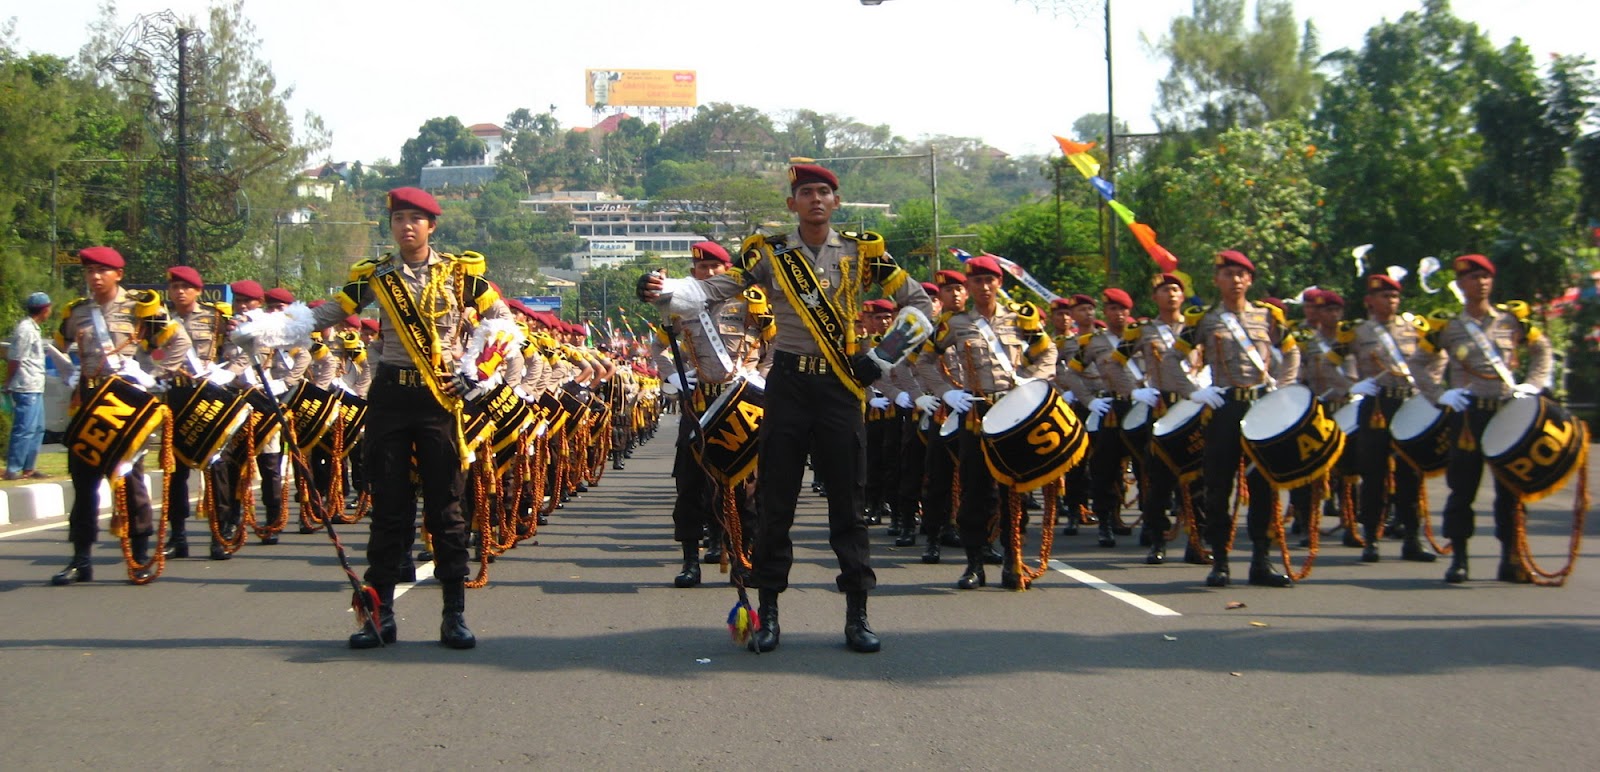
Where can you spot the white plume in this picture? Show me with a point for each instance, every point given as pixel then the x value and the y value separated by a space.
pixel 1427 267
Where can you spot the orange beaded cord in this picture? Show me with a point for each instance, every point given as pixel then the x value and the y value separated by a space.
pixel 1580 509
pixel 1319 491
pixel 119 511
pixel 480 516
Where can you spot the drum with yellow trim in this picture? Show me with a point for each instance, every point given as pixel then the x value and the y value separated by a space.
pixel 731 427
pixel 1031 437
pixel 1289 437
pixel 1178 438
pixel 1423 433
pixel 110 428
pixel 1533 445
pixel 313 410
pixel 205 417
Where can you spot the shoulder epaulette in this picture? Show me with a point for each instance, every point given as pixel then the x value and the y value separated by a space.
pixel 1084 338
pixel 1517 308
pixel 1347 331
pixel 1193 314
pixel 1276 312
pixel 363 270
pixel 1438 318
pixel 471 262
pixel 868 244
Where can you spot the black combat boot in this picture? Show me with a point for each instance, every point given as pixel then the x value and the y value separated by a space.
pixel 1158 550
pixel 1457 572
pixel 177 542
pixel 1511 568
pixel 973 577
pixel 907 517
pixel 140 546
pixel 930 554
pixel 858 634
pixel 1414 550
pixel 992 555
pixel 453 630
pixel 766 639
pixel 1219 566
pixel 690 575
pixel 387 631
pixel 1369 553
pixel 1262 572
pixel 79 570
pixel 1068 513
pixel 1107 537
pixel 713 549
pixel 218 552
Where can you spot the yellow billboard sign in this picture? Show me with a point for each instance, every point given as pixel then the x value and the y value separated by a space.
pixel 640 88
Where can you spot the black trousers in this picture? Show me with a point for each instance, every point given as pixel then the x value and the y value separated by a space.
pixel 700 495
pixel 219 486
pixel 1157 500
pixel 1464 473
pixel 813 414
pixel 913 460
pixel 1076 484
pixel 1224 448
pixel 402 421
pixel 939 471
pixel 889 461
pixel 83 523
pixel 269 470
pixel 980 494
pixel 1107 455
pixel 1372 456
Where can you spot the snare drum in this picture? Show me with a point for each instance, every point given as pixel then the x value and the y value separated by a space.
pixel 1179 438
pixel 1136 429
pixel 111 426
pixel 947 434
pixel 353 412
pixel 1533 444
pixel 731 429
pixel 1422 433
pixel 204 418
pixel 1031 437
pixel 313 410
pixel 1289 437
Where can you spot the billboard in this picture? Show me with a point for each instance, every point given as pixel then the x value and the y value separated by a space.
pixel 639 88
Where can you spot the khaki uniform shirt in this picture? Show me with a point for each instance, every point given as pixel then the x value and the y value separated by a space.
pixel 694 341
pixel 1029 352
pixel 1154 350
pixel 1470 368
pixel 1230 363
pixel 162 348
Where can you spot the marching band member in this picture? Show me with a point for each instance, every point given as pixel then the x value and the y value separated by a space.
pixel 206 323
pixel 910 454
pixel 998 347
pixel 1236 339
pixel 414 406
pixel 1072 320
pixel 109 327
pixel 1159 341
pixel 815 392
pixel 1105 351
pixel 710 363
pixel 939 468
pixel 1479 348
pixel 882 425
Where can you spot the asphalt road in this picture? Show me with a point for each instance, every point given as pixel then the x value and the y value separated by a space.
pixel 589 658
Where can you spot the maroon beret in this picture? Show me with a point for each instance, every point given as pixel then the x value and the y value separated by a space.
pixel 983 264
pixel 1163 279
pixel 105 256
pixel 805 174
pixel 352 321
pixel 186 275
pixel 1382 282
pixel 1115 295
pixel 1235 257
pixel 1060 303
pixel 710 250
pixel 369 324
pixel 947 277
pixel 1080 299
pixel 878 306
pixel 247 288
pixel 279 295
pixel 930 288
pixel 1462 264
pixel 1330 298
pixel 1099 324
pixel 413 198
pixel 318 303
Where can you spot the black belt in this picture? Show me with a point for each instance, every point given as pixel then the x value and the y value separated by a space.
pixel 409 377
pixel 805 364
pixel 1243 394
pixel 712 390
pixel 1398 392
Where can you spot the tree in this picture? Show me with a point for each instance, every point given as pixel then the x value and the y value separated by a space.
pixel 1067 260
pixel 741 204
pixel 1225 75
pixel 1092 126
pixel 440 139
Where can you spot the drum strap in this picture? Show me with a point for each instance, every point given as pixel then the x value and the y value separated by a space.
pixel 995 348
pixel 1133 369
pixel 1490 351
pixel 1392 349
pixel 102 338
pixel 1242 340
pixel 827 325
pixel 716 341
pixel 1171 342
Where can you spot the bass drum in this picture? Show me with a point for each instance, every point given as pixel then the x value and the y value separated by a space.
pixel 1533 445
pixel 205 417
pixel 1136 429
pixel 1289 438
pixel 110 428
pixel 1031 437
pixel 1422 433
pixel 731 428
pixel 1179 438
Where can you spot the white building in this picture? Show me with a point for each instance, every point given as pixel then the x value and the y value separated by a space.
pixel 615 230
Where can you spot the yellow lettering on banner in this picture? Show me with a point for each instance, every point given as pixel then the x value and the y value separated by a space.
pixel 95 436
pixel 751 414
pixel 88 454
pixel 114 412
pixel 732 437
pixel 1045 438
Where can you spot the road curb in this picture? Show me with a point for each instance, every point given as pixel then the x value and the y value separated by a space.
pixel 48 500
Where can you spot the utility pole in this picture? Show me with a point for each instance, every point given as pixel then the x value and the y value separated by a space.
pixel 182 237
pixel 1111 163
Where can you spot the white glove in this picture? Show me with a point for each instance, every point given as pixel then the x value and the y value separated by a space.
pixel 682 297
pixel 903 400
pixel 521 392
pixel 1100 406
pixel 878 403
pixel 1150 397
pixel 927 403
pixel 1525 390
pixel 221 376
pixel 1366 387
pixel 677 383
pixel 71 380
pixel 1069 396
pixel 1210 396
pixel 133 372
pixel 1456 399
pixel 958 400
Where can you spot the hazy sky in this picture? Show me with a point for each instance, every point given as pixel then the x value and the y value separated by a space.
pixel 1009 71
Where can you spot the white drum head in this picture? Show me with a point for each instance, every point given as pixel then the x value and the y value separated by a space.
pixel 1137 417
pixel 1014 408
pixel 1176 417
pixel 1510 424
pixel 1276 413
pixel 1349 416
pixel 951 423
pixel 1413 418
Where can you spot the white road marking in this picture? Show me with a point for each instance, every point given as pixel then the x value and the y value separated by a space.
pixel 1133 599
pixel 38 528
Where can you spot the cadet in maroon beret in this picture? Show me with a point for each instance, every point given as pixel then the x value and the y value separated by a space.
pixel 709 250
pixel 1162 279
pixel 1234 257
pixel 413 198
pixel 106 257
pixel 806 174
pixel 947 277
pixel 1081 299
pixel 930 288
pixel 1114 295
pixel 278 296
pixel 1382 282
pixel 1331 298
pixel 1463 264
pixel 247 289
pixel 983 265
pixel 187 275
